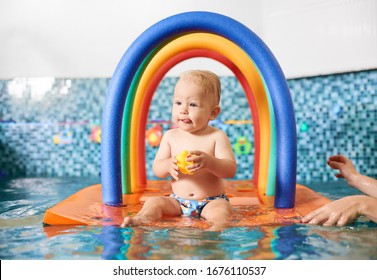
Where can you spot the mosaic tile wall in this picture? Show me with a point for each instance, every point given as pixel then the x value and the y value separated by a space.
pixel 50 127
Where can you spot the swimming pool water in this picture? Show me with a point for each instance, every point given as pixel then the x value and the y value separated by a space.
pixel 23 202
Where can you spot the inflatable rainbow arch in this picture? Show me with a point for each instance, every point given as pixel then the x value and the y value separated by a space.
pixel 142 67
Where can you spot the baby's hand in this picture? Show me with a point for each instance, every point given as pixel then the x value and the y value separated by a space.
pixel 198 159
pixel 173 168
pixel 182 162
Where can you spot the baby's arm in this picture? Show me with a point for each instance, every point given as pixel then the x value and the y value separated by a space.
pixel 164 164
pixel 222 164
pixel 348 171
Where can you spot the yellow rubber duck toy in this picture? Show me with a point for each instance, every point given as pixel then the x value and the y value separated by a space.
pixel 182 162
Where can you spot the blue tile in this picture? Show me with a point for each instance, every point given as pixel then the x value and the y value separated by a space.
pixel 334 114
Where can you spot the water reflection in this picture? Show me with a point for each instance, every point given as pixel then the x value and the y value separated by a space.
pixel 22 235
pixel 139 243
pixel 178 243
pixel 262 242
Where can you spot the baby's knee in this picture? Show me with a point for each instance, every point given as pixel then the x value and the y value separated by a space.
pixel 217 214
pixel 221 212
pixel 154 202
pixel 218 218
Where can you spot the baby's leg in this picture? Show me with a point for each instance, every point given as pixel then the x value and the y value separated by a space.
pixel 217 212
pixel 153 209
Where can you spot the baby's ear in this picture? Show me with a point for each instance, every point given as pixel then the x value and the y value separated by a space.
pixel 215 112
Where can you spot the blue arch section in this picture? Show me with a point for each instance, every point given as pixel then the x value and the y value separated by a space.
pixel 242 36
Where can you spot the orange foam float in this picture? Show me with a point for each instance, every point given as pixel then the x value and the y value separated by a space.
pixel 86 208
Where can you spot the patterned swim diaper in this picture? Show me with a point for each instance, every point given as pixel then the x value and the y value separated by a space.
pixel 195 207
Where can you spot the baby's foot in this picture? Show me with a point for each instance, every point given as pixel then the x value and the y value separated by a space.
pixel 126 222
pixel 134 221
pixel 219 227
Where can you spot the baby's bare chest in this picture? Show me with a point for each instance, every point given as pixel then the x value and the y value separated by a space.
pixel 204 144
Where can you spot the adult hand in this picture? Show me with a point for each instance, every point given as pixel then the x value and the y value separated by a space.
pixel 345 166
pixel 339 212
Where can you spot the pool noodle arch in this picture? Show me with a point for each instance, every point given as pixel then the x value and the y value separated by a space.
pixel 251 44
pixel 157 79
pixel 220 44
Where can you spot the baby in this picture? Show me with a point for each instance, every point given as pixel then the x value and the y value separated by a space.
pixel 199 192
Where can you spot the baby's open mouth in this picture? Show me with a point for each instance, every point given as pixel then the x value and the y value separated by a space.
pixel 185 120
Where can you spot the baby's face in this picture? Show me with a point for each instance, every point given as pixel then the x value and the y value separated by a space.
pixel 192 109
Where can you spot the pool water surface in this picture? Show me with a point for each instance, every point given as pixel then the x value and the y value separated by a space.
pixel 23 202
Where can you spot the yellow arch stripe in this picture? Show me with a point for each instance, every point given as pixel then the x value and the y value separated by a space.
pixel 240 59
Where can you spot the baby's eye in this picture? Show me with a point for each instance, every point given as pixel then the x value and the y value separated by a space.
pixel 178 103
pixel 193 105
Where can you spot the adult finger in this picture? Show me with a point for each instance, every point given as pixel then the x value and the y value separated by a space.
pixel 312 216
pixel 338 158
pixel 318 219
pixel 335 164
pixel 332 219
